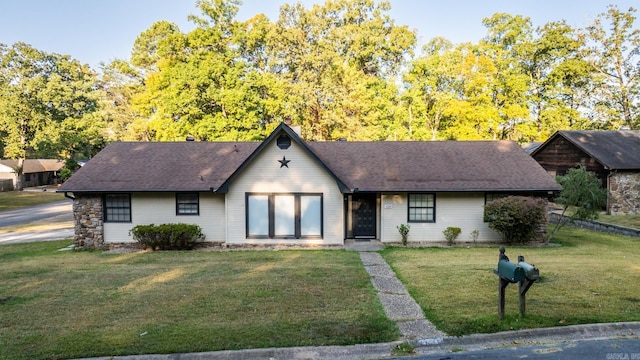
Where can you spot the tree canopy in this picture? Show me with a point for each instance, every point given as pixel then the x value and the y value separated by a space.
pixel 342 69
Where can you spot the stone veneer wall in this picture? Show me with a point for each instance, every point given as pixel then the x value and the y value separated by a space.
pixel 87 215
pixel 624 193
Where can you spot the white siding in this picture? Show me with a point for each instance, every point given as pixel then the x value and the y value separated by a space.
pixel 160 208
pixel 463 210
pixel 304 175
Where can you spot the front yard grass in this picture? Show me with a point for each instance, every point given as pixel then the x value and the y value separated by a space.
pixel 632 221
pixel 58 305
pixel 592 278
pixel 10 200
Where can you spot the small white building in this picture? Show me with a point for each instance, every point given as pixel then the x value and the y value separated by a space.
pixel 285 191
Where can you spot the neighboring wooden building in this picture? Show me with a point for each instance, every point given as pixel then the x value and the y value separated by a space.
pixel 614 156
pixel 37 172
pixel 285 191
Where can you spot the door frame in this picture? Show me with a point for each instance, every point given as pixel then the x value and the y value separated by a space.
pixel 374 200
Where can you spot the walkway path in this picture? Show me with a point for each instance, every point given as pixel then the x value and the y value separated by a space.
pixel 398 305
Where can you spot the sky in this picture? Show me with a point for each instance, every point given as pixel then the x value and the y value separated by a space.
pixel 95 31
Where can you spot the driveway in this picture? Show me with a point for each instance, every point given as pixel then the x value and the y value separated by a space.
pixel 56 212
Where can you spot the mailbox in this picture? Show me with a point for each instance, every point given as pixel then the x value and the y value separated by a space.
pixel 509 271
pixel 530 271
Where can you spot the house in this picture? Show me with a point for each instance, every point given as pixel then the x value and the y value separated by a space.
pixel 37 172
pixel 614 156
pixel 285 191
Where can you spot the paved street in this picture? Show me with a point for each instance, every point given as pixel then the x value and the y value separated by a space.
pixel 35 213
pixel 61 210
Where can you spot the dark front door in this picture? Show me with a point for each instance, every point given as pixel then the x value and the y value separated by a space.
pixel 363 215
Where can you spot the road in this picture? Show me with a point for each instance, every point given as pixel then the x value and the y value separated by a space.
pixel 628 349
pixel 61 210
pixel 35 213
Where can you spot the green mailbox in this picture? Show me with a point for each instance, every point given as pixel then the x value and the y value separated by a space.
pixel 531 272
pixel 509 271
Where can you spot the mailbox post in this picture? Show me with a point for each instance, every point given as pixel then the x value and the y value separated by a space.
pixel 531 274
pixel 508 273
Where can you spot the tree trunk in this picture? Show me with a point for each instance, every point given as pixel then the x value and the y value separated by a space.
pixel 20 175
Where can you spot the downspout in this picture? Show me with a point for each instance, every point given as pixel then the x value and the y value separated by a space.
pixel 66 194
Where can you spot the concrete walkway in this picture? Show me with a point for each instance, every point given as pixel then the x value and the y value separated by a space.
pixel 398 305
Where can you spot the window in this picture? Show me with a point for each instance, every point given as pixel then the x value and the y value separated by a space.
pixel 422 207
pixel 284 216
pixel 117 208
pixel 187 204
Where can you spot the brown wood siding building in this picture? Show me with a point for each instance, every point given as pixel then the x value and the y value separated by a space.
pixel 560 155
pixel 614 156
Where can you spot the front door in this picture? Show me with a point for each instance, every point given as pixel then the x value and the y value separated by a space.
pixel 363 215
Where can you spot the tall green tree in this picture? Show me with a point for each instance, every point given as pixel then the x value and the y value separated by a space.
pixel 615 55
pixel 211 82
pixel 340 61
pixel 48 106
pixel 432 88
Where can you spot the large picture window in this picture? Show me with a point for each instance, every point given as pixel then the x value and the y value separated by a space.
pixel 284 216
pixel 422 207
pixel 117 207
pixel 187 204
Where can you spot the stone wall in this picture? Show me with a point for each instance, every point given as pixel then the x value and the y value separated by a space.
pixel 89 230
pixel 597 226
pixel 624 193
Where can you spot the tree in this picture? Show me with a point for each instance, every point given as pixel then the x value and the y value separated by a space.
pixel 48 104
pixel 581 190
pixel 432 86
pixel 615 55
pixel 339 61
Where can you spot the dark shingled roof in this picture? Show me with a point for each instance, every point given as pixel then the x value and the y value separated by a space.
pixel 434 166
pixel 616 150
pixel 35 165
pixel 160 166
pixel 365 166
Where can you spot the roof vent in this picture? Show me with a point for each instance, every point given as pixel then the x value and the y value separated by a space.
pixel 190 138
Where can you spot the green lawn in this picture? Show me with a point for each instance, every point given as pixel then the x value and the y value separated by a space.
pixel 632 221
pixel 591 278
pixel 56 305
pixel 16 199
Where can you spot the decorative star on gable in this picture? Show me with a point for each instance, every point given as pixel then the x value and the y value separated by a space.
pixel 284 162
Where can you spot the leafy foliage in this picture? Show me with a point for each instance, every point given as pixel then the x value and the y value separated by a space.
pixel 516 218
pixel 168 236
pixel 341 69
pixel 583 192
pixel 404 229
pixel 451 234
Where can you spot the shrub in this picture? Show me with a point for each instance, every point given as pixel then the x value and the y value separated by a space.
pixel 167 236
pixel 451 233
pixel 403 229
pixel 516 218
pixel 474 235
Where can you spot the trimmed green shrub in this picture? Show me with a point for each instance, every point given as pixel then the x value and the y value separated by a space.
pixel 516 218
pixel 167 236
pixel 451 234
